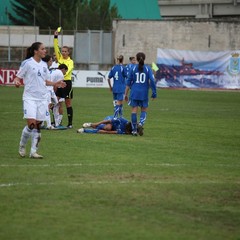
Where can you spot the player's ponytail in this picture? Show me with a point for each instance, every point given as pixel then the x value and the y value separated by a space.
pixel 30 50
pixel 140 58
pixel 120 58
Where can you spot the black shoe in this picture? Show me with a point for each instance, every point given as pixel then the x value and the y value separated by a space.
pixel 134 133
pixel 140 130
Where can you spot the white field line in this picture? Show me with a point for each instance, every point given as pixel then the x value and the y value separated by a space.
pixel 105 182
pixel 10 112
pixel 119 164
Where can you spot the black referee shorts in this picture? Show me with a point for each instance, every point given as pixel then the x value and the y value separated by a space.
pixel 66 92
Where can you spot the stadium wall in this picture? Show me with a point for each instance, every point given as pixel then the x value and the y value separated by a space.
pixel 132 36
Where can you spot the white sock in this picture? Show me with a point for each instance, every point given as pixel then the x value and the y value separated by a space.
pixel 26 133
pixel 36 137
pixel 60 117
pixel 56 114
pixel 48 119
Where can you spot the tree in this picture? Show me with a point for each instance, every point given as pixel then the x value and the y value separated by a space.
pixel 80 14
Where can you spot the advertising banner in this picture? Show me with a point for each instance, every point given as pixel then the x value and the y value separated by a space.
pixel 94 79
pixel 7 76
pixel 198 69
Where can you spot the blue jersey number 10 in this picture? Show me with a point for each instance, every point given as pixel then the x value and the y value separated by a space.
pixel 140 77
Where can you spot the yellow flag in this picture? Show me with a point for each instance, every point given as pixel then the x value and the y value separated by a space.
pixel 154 66
pixel 59 29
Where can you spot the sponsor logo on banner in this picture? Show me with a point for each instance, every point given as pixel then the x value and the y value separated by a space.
pixel 90 79
pixel 234 65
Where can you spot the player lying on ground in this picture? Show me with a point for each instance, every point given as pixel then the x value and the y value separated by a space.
pixel 109 125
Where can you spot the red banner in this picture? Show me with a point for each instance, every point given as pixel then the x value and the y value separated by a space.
pixel 7 76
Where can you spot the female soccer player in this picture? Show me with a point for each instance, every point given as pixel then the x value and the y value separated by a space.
pixel 139 81
pixel 109 125
pixel 55 104
pixel 35 75
pixel 119 74
pixel 67 93
pixel 131 64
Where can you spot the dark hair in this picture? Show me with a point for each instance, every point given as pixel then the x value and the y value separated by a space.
pixel 120 58
pixel 47 58
pixel 63 66
pixel 30 50
pixel 128 128
pixel 140 58
pixel 131 58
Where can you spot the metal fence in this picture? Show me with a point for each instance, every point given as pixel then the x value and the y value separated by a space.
pixel 91 48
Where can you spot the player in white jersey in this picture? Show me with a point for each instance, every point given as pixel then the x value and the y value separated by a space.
pixel 52 98
pixel 56 75
pixel 54 62
pixel 35 76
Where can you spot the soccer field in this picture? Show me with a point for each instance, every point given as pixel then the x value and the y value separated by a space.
pixel 180 180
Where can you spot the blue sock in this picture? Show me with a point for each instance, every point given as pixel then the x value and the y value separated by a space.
pixel 91 130
pixel 120 110
pixel 134 121
pixel 116 111
pixel 143 117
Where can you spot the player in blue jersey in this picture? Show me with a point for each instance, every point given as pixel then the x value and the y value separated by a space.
pixel 140 79
pixel 118 73
pixel 109 125
pixel 131 64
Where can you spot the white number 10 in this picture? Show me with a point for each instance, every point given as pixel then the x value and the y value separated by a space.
pixel 141 77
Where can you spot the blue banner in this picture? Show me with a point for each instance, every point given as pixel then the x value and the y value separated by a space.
pixel 198 69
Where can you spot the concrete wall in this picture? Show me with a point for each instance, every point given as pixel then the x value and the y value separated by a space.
pixel 132 36
pixel 199 8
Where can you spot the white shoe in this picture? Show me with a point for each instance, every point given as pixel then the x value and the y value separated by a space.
pixel 86 125
pixel 80 130
pixel 51 128
pixel 22 151
pixel 61 100
pixel 36 156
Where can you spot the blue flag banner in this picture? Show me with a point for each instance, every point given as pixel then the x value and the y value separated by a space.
pixel 198 69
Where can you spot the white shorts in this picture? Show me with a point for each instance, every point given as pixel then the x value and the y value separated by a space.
pixel 35 109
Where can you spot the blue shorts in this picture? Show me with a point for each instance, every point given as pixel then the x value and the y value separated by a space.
pixel 101 126
pixel 118 96
pixel 138 103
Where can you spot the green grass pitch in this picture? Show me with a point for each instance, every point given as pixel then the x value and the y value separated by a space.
pixel 180 180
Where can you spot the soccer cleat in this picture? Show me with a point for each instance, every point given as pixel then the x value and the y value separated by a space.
pixel 86 125
pixel 134 133
pixel 22 151
pixel 140 130
pixel 60 127
pixel 80 130
pixel 69 126
pixel 61 100
pixel 36 156
pixel 51 128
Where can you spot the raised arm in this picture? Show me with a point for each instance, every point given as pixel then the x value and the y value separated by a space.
pixel 56 46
